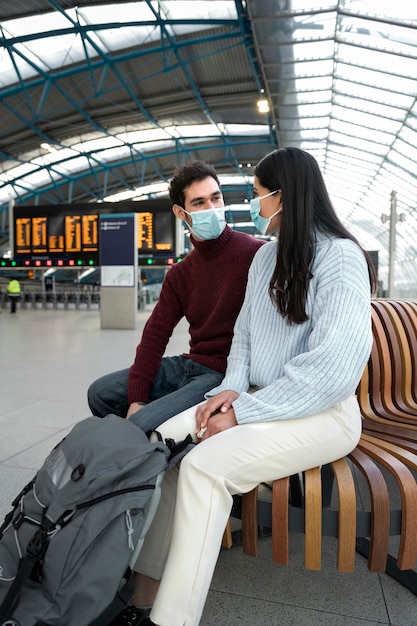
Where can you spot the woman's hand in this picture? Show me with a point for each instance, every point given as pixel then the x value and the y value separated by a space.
pixel 219 422
pixel 216 414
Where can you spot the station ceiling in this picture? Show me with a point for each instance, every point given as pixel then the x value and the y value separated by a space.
pixel 102 100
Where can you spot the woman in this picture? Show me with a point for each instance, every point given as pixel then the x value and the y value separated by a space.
pixel 287 401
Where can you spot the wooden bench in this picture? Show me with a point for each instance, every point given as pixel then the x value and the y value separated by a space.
pixel 386 456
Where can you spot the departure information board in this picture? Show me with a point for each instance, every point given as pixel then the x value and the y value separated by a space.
pixel 46 234
pixel 68 231
pixel 145 231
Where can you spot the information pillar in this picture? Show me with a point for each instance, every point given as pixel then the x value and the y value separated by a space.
pixel 119 271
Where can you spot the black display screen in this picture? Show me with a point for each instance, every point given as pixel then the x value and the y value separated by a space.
pixel 69 231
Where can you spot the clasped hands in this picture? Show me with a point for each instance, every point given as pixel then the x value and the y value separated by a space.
pixel 215 415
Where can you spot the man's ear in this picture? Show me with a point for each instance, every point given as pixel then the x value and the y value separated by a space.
pixel 178 211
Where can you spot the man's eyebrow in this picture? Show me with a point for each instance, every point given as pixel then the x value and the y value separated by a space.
pixel 199 198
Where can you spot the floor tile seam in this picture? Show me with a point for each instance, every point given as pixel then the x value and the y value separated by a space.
pixel 55 432
pixel 31 424
pixel 8 418
pixel 19 467
pixel 301 606
pixel 384 599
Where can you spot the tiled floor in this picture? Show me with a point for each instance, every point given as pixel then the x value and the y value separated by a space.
pixel 48 358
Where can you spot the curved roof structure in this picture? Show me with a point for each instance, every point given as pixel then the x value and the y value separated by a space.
pixel 101 101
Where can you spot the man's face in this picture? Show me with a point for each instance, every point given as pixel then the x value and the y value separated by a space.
pixel 200 195
pixel 203 194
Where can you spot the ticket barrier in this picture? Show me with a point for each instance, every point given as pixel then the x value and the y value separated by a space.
pixel 5 301
pixel 70 300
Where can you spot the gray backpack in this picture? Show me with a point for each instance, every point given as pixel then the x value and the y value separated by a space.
pixel 68 545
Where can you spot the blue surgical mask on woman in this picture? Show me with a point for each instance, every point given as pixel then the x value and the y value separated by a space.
pixel 207 224
pixel 261 223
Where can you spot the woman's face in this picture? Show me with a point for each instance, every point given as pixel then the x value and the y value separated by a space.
pixel 269 205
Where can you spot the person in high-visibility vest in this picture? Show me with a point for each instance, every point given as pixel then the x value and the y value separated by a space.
pixel 13 290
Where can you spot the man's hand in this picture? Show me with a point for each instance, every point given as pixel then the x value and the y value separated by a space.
pixel 135 406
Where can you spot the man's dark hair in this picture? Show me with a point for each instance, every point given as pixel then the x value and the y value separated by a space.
pixel 185 176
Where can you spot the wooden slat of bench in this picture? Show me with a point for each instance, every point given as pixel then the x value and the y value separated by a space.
pixel 380 510
pixel 313 518
pixel 407 432
pixel 280 531
pixel 380 366
pixel 396 439
pixel 401 429
pixel 227 540
pixel 407 553
pixel 370 387
pixel 409 319
pixel 250 522
pixel 364 391
pixel 381 373
pixel 347 516
pixel 405 456
pixel 376 382
pixel 394 321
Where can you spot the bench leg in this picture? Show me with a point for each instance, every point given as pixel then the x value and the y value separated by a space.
pixel 227 540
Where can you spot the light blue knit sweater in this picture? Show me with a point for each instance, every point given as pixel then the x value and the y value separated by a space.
pixel 301 369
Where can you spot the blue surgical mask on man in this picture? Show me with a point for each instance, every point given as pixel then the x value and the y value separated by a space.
pixel 207 224
pixel 261 223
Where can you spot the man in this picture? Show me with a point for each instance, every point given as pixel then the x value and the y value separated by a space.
pixel 13 290
pixel 207 288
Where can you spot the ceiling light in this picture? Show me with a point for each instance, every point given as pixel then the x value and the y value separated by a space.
pixel 263 106
pixel 48 147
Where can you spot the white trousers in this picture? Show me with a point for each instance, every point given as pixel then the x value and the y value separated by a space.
pixel 184 541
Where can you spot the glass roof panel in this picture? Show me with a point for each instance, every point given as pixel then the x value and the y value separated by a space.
pixel 305 68
pixel 402 154
pixel 45 45
pixel 312 97
pixel 305 5
pixel 371 121
pixel 351 154
pixel 366 76
pixel 356 127
pixel 396 39
pixel 408 136
pixel 381 112
pixel 356 142
pixel 320 25
pixel 359 89
pixel 317 83
pixel 315 115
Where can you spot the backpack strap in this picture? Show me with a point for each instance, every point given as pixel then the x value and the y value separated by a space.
pixel 15 504
pixel 177 449
pixel 34 553
pixel 119 602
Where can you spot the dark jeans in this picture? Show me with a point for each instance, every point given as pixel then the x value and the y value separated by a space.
pixel 179 384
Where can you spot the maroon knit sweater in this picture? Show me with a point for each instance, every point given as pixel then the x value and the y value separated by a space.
pixel 208 288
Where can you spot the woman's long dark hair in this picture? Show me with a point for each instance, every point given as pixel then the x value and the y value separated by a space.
pixel 307 208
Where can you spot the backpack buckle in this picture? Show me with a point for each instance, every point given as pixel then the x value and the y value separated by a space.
pixel 18 520
pixel 37 543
